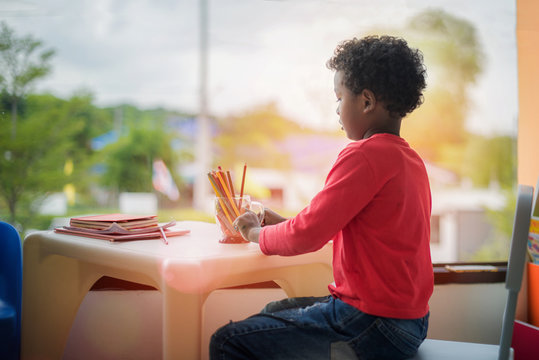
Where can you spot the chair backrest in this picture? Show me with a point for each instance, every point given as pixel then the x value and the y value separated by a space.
pixel 535 208
pixel 515 265
pixel 11 271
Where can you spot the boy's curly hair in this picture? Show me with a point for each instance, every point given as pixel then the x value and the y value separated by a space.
pixel 386 66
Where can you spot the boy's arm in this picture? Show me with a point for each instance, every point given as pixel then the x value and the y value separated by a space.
pixel 350 186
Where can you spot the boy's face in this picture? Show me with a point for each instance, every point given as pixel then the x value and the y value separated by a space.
pixel 350 109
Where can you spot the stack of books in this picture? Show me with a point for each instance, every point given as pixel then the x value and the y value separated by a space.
pixel 118 227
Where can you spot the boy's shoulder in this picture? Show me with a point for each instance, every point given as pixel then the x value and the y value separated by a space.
pixel 378 148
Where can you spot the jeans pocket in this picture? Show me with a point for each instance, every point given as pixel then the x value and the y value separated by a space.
pixel 383 340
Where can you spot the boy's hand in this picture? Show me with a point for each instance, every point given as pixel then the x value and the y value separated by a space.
pixel 272 218
pixel 248 224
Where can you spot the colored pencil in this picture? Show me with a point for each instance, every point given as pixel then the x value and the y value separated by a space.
pixel 227 192
pixel 222 193
pixel 220 198
pixel 221 182
pixel 242 183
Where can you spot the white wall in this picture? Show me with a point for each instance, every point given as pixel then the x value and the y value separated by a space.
pixel 467 312
pixel 127 324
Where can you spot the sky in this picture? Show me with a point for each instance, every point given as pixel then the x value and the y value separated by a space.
pixel 146 52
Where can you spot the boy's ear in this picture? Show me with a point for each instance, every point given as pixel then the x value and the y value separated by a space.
pixel 368 99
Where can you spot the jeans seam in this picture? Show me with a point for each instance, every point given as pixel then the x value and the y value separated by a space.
pixel 353 316
pixel 389 330
pixel 368 329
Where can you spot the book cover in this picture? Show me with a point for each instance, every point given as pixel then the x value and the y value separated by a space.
pixel 101 222
pixel 169 232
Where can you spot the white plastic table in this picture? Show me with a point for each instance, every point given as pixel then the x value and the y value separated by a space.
pixel 60 269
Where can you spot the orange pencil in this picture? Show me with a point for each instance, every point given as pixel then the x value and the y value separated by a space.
pixel 228 194
pixel 221 173
pixel 223 206
pixel 221 194
pixel 215 175
pixel 218 183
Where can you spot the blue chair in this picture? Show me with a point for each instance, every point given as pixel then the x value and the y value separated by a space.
pixel 10 292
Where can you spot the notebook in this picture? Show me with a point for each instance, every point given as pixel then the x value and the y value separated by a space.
pixel 169 232
pixel 121 227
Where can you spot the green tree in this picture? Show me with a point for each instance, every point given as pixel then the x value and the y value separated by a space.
pixel 87 122
pixel 454 58
pixel 451 45
pixel 22 63
pixel 128 161
pixel 253 137
pixel 497 246
pixel 94 122
pixel 487 159
pixel 32 164
pixel 437 130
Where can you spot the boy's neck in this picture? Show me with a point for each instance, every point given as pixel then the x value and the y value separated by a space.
pixel 385 125
pixel 368 134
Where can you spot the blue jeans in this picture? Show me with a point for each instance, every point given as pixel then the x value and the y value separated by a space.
pixel 317 328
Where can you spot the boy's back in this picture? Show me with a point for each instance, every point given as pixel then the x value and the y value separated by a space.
pixel 387 269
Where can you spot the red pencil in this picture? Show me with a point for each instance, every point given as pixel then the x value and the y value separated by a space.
pixel 242 184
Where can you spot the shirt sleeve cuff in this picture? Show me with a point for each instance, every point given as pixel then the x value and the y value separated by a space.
pixel 262 240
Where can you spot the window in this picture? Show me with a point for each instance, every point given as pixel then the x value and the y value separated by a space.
pixel 270 102
pixel 435 229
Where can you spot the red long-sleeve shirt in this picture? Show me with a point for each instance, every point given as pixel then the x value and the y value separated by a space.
pixel 375 206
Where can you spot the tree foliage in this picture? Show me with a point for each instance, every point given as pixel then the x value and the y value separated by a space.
pixel 454 59
pixel 32 164
pixel 451 46
pixel 253 137
pixel 490 159
pixel 22 63
pixel 437 130
pixel 128 162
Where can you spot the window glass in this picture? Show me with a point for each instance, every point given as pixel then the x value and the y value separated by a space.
pixel 132 103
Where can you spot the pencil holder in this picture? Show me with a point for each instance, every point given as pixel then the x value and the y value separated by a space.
pixel 227 209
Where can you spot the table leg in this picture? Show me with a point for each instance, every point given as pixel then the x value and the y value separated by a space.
pixel 182 324
pixel 52 293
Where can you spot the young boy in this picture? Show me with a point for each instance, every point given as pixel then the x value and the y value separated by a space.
pixel 375 206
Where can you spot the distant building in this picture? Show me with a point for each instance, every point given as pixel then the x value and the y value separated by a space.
pixel 459 225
